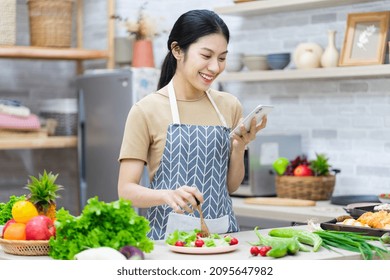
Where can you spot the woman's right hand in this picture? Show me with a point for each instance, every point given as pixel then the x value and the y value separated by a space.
pixel 183 199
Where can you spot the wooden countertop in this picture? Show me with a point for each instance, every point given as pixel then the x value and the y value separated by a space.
pixel 323 211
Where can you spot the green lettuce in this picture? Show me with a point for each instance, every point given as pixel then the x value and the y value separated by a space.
pixel 6 208
pixel 114 224
pixel 188 237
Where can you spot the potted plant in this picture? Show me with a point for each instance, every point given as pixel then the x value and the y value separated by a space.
pixel 305 179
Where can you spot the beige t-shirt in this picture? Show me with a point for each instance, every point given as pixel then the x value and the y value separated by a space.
pixel 148 120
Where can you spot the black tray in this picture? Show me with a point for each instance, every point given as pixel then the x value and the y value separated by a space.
pixel 356 212
pixel 349 199
pixel 332 225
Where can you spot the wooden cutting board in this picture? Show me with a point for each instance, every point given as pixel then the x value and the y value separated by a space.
pixel 279 201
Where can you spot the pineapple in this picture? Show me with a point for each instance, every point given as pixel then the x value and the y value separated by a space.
pixel 43 193
pixel 320 166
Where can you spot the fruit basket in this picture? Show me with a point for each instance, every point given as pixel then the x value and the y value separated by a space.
pixel 308 187
pixel 25 247
pixel 304 179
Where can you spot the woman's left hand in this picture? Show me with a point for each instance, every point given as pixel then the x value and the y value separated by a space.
pixel 240 142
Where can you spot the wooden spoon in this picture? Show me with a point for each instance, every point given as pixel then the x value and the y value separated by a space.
pixel 204 230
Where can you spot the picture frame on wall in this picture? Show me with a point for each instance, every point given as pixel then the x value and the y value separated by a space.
pixel 365 40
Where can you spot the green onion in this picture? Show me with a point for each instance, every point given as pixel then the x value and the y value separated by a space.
pixel 353 241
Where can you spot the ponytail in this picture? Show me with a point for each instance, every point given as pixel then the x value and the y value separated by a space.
pixel 168 69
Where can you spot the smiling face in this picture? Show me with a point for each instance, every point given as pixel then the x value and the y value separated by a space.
pixel 201 64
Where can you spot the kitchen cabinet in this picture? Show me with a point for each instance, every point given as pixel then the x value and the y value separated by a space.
pixel 78 55
pixel 266 7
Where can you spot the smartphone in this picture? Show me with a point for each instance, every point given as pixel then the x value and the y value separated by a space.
pixel 259 112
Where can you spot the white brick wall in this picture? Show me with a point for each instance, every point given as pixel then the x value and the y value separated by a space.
pixel 349 120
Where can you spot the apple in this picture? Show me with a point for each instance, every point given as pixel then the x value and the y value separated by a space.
pixel 40 227
pixel 12 221
pixel 303 170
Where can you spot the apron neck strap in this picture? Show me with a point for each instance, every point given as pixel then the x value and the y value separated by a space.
pixel 175 110
pixel 173 102
pixel 221 117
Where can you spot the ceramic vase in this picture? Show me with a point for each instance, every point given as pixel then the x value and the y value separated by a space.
pixel 330 57
pixel 307 55
pixel 123 47
pixel 309 59
pixel 143 54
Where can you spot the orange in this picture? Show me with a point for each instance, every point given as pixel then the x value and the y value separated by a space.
pixel 23 211
pixel 15 231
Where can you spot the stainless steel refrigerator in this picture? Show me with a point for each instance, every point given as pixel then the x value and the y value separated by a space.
pixel 105 98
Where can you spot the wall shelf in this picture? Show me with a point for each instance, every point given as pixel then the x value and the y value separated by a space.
pixel 78 54
pixel 27 52
pixel 375 71
pixel 50 142
pixel 275 6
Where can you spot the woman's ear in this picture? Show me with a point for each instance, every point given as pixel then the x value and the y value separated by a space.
pixel 176 51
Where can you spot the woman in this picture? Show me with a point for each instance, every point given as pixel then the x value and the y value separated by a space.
pixel 182 133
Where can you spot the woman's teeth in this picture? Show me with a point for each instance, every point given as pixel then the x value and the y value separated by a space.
pixel 207 77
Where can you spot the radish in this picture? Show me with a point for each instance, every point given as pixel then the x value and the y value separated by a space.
pixel 254 251
pixel 100 253
pixel 233 241
pixel 199 243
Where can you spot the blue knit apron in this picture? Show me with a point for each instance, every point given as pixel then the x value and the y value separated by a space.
pixel 196 156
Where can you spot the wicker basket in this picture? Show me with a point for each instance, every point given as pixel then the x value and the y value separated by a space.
pixel 51 23
pixel 8 22
pixel 25 247
pixel 305 187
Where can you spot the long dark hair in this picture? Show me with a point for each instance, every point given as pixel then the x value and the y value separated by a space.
pixel 188 28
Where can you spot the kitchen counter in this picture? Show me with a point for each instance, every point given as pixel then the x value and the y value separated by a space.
pixel 323 211
pixel 242 252
pixel 162 252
